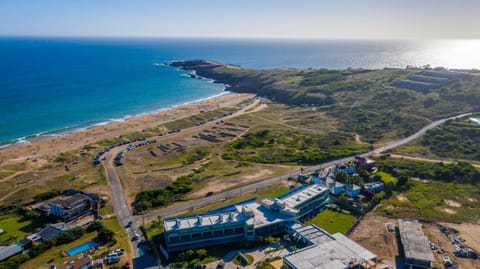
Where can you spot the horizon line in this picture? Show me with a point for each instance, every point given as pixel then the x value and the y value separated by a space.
pixel 305 38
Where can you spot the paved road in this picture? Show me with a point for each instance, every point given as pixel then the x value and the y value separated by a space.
pixel 119 202
pixel 186 206
pixel 142 258
pixel 124 215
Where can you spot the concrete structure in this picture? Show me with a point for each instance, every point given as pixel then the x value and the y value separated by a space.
pixel 374 186
pixel 365 163
pixel 9 251
pixel 346 168
pixel 71 207
pixel 51 231
pixel 416 247
pixel 352 190
pixel 244 221
pixel 325 251
pixel 335 187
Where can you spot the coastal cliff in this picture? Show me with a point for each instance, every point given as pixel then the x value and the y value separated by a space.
pixel 282 85
pixel 361 100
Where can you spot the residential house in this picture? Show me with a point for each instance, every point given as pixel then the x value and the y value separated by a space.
pixel 346 168
pixel 71 207
pixel 82 263
pixel 352 190
pixel 365 163
pixel 374 186
pixel 335 187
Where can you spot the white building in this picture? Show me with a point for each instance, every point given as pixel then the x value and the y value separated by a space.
pixel 244 221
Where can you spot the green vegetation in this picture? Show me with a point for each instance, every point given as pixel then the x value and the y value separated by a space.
pixel 461 172
pixel 197 155
pixel 238 260
pixel 50 250
pixel 291 147
pixel 16 227
pixel 264 265
pixel 365 102
pixel 333 221
pixel 188 258
pixel 161 197
pixel 195 119
pixel 386 177
pixel 432 191
pixel 54 255
pixel 456 139
pixel 321 77
pixel 47 195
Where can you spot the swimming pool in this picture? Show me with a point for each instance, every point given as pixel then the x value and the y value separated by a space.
pixel 81 248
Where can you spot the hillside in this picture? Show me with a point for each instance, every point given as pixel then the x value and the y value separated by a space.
pixel 366 102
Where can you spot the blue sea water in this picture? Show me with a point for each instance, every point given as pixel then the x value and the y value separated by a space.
pixel 50 85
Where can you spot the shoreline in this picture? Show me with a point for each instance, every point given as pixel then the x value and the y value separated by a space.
pixel 45 146
pixel 60 132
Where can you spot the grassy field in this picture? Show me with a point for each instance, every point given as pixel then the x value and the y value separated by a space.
pixel 386 177
pixel 16 228
pixel 432 191
pixel 153 167
pixel 455 139
pixel 434 200
pixel 71 170
pixel 333 221
pixel 54 256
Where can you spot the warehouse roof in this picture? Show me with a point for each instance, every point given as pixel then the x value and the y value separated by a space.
pixel 328 251
pixel 415 243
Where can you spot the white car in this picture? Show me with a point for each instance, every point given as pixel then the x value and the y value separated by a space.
pixel 447 261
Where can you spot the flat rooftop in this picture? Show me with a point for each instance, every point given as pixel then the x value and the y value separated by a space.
pixel 262 215
pixel 415 243
pixel 68 201
pixel 302 194
pixel 328 251
pixel 188 222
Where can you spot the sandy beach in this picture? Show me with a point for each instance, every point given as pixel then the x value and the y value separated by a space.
pixel 48 146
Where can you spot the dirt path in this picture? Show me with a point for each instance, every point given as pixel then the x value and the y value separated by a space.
pixel 431 160
pixel 182 207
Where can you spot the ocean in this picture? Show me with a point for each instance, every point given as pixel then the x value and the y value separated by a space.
pixel 49 86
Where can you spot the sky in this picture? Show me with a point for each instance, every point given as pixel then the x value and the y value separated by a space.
pixel 243 18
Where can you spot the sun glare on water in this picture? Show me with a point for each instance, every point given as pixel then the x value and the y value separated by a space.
pixel 458 53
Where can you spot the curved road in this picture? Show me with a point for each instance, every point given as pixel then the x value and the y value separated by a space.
pixel 124 215
pixel 176 209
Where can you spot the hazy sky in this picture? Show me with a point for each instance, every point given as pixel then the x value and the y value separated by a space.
pixel 243 18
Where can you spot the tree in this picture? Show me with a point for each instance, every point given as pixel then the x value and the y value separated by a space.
pixel 95 226
pixel 264 265
pixel 105 235
pixel 201 253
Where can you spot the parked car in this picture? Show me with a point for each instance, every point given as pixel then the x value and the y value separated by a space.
pixel 112 258
pixel 129 224
pixel 447 261
pixel 135 237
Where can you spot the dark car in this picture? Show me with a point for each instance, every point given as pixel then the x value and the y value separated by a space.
pixel 129 224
